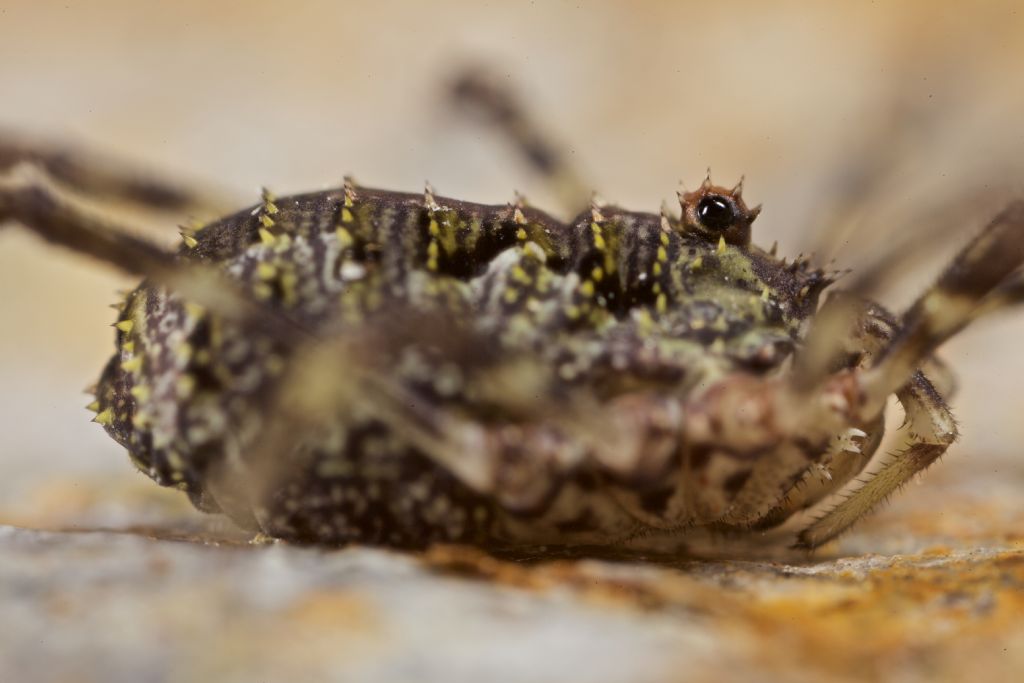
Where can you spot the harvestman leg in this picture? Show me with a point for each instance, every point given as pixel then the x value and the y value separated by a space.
pixel 931 430
pixel 32 201
pixel 500 106
pixel 848 452
pixel 981 279
pixel 103 180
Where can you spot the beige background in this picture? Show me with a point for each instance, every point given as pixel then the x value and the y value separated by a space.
pixel 243 94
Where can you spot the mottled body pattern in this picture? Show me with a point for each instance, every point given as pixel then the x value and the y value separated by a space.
pixel 638 312
pixel 358 365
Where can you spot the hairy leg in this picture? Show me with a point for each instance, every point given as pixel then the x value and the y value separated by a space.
pixel 749 439
pixel 862 329
pixel 931 429
pixel 982 278
pixel 802 478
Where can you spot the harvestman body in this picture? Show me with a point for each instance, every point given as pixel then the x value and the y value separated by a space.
pixel 358 365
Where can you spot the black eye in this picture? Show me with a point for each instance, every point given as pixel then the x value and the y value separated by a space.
pixel 715 212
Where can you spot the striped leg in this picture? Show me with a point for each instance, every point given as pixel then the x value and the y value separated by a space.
pixel 31 200
pixel 980 280
pixel 104 180
pixel 501 108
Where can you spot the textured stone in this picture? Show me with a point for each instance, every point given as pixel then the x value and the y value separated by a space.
pixel 149 605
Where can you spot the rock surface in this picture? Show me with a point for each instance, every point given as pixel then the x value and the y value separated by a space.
pixel 941 599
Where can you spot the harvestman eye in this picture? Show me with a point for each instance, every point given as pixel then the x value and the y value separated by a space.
pixel 715 212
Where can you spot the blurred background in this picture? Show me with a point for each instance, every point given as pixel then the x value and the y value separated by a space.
pixel 921 99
